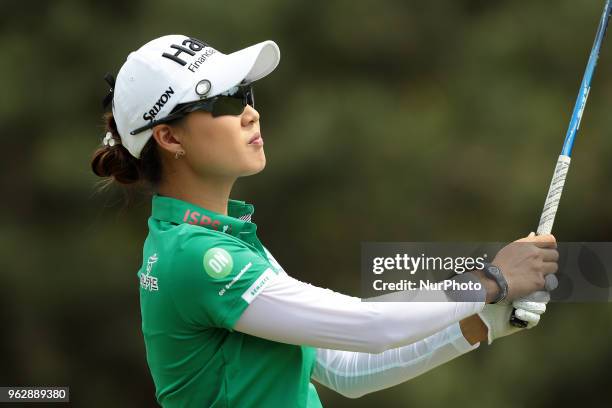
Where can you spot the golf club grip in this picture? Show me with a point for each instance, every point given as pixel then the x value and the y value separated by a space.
pixel 547 218
pixel 553 197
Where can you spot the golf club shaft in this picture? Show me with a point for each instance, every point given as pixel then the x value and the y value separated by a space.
pixel 558 180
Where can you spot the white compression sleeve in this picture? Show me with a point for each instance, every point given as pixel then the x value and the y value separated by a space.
pixel 355 374
pixel 294 312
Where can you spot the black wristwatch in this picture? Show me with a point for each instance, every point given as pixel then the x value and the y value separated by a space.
pixel 495 273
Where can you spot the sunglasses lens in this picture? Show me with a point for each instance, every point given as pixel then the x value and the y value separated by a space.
pixel 227 105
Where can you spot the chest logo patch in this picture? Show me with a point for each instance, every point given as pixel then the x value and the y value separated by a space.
pixel 218 263
pixel 147 281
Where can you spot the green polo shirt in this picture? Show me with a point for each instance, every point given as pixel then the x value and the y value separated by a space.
pixel 200 272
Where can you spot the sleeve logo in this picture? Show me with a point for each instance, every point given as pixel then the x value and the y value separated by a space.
pixel 218 263
pixel 255 289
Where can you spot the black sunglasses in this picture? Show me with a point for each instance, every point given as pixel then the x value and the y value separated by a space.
pixel 232 104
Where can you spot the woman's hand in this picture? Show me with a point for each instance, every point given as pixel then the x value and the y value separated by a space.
pixel 497 317
pixel 493 322
pixel 524 264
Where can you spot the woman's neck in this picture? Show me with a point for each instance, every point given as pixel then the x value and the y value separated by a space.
pixel 212 194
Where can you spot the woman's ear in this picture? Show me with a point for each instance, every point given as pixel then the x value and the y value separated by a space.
pixel 168 138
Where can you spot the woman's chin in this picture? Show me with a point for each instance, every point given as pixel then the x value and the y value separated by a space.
pixel 255 167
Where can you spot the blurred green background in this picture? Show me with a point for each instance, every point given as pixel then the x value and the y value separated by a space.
pixel 385 120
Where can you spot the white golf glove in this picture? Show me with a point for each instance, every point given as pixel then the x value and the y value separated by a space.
pixel 497 316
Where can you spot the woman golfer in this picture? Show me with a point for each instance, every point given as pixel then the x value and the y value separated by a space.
pixel 224 325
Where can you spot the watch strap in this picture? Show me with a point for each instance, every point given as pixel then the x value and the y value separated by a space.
pixel 493 272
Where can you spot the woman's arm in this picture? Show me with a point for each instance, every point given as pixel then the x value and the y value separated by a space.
pixel 290 311
pixel 355 374
pixel 294 312
pixel 473 329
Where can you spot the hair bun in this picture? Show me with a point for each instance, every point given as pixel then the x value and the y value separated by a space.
pixel 114 161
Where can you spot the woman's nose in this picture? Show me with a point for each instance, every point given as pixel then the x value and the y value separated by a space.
pixel 249 115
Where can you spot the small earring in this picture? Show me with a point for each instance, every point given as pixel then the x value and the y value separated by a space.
pixel 179 154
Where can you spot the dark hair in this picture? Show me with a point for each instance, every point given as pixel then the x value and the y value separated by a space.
pixel 117 164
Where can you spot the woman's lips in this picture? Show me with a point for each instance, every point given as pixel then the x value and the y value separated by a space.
pixel 256 139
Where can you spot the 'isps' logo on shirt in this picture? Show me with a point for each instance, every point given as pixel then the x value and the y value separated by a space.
pixel 147 281
pixel 195 218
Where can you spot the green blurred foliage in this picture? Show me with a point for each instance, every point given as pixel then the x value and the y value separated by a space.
pixel 389 120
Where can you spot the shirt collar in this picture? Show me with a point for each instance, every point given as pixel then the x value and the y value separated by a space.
pixel 237 222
